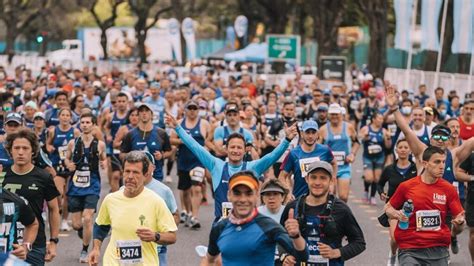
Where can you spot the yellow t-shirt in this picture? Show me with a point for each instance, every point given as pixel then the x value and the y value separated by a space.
pixel 125 216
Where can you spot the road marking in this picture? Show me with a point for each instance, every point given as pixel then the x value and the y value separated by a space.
pixel 373 218
pixel 63 235
pixel 384 231
pixel 364 206
pixel 370 210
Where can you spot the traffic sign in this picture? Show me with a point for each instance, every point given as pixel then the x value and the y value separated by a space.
pixel 283 47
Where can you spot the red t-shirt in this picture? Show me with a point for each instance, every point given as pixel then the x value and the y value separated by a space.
pixel 440 196
pixel 466 131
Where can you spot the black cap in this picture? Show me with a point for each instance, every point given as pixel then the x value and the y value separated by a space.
pixel 441 129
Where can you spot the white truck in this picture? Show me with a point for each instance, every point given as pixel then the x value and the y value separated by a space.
pixel 69 56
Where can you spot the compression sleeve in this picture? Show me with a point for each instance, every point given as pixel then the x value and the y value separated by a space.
pixel 261 165
pixel 101 231
pixel 204 156
pixel 383 180
pixel 355 237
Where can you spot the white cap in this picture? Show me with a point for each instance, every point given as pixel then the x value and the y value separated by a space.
pixel 334 108
pixel 39 114
pixel 32 105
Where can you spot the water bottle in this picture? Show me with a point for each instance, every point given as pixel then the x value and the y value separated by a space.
pixel 407 210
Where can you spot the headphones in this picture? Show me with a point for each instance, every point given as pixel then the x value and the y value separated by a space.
pixel 327 227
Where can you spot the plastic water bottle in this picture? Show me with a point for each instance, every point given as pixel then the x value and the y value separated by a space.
pixel 407 210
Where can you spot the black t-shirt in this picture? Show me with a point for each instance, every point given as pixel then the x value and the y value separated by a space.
pixel 16 215
pixel 468 166
pixel 36 187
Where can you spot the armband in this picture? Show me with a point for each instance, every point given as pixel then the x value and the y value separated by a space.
pixel 356 140
pixel 101 231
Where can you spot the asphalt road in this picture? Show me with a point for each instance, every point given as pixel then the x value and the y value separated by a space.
pixel 183 252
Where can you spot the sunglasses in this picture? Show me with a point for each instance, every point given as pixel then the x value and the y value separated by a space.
pixel 192 108
pixel 440 137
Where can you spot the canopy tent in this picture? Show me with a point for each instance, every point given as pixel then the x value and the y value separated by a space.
pixel 254 52
pixel 219 54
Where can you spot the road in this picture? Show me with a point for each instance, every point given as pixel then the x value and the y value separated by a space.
pixel 183 252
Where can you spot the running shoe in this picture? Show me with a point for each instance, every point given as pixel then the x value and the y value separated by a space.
pixel 194 223
pixel 168 179
pixel 65 226
pixel 373 201
pixel 183 216
pixel 188 221
pixel 454 245
pixel 83 257
pixel 392 259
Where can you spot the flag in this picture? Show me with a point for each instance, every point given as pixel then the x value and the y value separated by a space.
pixel 463 20
pixel 175 38
pixel 187 27
pixel 430 10
pixel 403 15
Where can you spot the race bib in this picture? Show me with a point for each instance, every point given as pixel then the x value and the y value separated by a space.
pixel 197 174
pixel 226 208
pixel 428 220
pixel 336 137
pixel 116 151
pixel 354 105
pixel 374 149
pixel 62 152
pixel 340 157
pixel 392 129
pixel 82 178
pixel 129 251
pixel 305 165
pixel 318 260
pixel 20 231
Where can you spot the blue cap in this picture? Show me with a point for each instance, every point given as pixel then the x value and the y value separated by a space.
pixel 76 84
pixel 309 124
pixel 327 92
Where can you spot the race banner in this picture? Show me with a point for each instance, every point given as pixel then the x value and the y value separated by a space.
pixel 463 20
pixel 187 27
pixel 403 16
pixel 430 10
pixel 175 38
pixel 241 25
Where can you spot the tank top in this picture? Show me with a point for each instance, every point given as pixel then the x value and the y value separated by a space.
pixel 340 144
pixel 60 141
pixel 373 147
pixel 186 159
pixel 466 131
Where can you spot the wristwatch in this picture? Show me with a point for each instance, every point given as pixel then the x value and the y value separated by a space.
pixel 55 240
pixel 157 237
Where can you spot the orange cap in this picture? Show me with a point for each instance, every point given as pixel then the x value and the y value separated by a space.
pixel 245 180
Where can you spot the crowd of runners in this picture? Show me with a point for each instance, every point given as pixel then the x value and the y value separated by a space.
pixel 275 158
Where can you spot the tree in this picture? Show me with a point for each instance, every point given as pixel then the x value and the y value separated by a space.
pixel 17 15
pixel 105 24
pixel 254 13
pixel 276 14
pixel 142 9
pixel 327 17
pixel 376 13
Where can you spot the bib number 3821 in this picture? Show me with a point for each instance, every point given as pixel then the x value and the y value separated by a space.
pixel 428 220
pixel 129 251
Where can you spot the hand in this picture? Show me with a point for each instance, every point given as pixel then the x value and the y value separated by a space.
pixel 289 261
pixel 291 132
pixel 391 97
pixel 50 252
pixel 328 252
pixel 350 158
pixel 170 120
pixel 292 225
pixel 146 234
pixel 400 215
pixel 94 257
pixel 102 164
pixel 459 220
pixel 50 148
pixel 158 155
pixel 383 196
pixel 19 251
pixel 71 166
pixel 108 138
pixel 290 197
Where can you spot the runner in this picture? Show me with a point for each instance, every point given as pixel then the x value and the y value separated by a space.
pixel 466 120
pixel 341 137
pixel 301 157
pixel 190 171
pixel 36 186
pixel 53 115
pixel 148 137
pixel 220 170
pixel 56 145
pixel 394 174
pixel 13 122
pixel 374 139
pixel 135 239
pixel 84 156
pixel 323 220
pixel 427 237
pixel 257 234
pixel 19 225
pixel 465 173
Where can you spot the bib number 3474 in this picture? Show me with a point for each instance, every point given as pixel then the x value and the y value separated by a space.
pixel 129 252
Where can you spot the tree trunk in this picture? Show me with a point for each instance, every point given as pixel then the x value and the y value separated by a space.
pixel 378 33
pixel 430 60
pixel 103 43
pixel 141 38
pixel 10 42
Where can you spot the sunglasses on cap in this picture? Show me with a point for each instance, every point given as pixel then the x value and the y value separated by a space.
pixel 440 137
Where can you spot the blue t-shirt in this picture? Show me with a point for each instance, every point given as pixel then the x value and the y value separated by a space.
pixel 164 192
pixel 256 242
pixel 300 160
